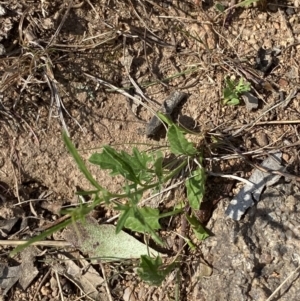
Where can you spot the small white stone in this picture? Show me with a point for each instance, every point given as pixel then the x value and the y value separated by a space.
pixel 2 50
pixel 2 11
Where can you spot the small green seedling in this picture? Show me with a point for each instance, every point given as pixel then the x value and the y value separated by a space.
pixel 233 91
pixel 221 8
pixel 246 3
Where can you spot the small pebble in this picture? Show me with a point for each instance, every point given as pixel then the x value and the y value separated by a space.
pixel 262 139
pixel 289 234
pixel 285 157
pixel 283 83
pixel 276 25
pixel 2 50
pixel 290 11
pixel 45 291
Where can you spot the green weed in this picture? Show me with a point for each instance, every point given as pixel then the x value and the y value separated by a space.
pixel 221 8
pixel 233 91
pixel 142 172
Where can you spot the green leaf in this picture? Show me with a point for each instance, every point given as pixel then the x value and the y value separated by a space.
pixel 150 219
pixel 230 83
pixel 151 270
pixel 124 216
pixel 165 118
pixel 179 205
pixel 246 3
pixel 79 212
pixel 197 228
pixel 169 122
pixel 232 91
pixel 71 148
pixel 108 159
pixel 140 159
pixel 132 167
pixel 220 7
pixel 171 213
pixel 86 192
pixel 140 216
pixel 132 193
pixel 179 145
pixel 196 187
pixel 158 165
pixel 232 102
pixel 228 94
pixel 118 163
pixel 243 86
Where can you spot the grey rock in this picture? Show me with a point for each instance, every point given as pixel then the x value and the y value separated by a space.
pixel 250 100
pixel 170 103
pixel 252 257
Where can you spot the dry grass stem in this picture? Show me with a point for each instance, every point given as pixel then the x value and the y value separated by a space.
pixel 281 285
pixel 47 243
pixel 59 286
pixel 106 283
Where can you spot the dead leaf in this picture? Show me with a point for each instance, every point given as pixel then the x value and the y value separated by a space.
pixel 86 278
pixel 103 242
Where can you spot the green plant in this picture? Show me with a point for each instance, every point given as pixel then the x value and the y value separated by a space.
pixel 142 172
pixel 233 90
pixel 221 8
pixel 152 270
pixel 246 3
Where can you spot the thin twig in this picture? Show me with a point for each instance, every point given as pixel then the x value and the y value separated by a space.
pixel 55 96
pixel 251 124
pixel 14 171
pixel 106 282
pixel 20 26
pixel 230 177
pixel 48 243
pixel 280 286
pixel 40 284
pixel 265 169
pixel 137 88
pixel 61 23
pixel 120 90
pixel 297 121
pixel 59 286
pixel 283 103
pixel 93 8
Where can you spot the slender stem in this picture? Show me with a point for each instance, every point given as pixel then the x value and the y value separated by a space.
pixel 171 213
pixel 147 187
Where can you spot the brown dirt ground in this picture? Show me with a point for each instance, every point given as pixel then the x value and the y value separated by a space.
pixel 94 38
